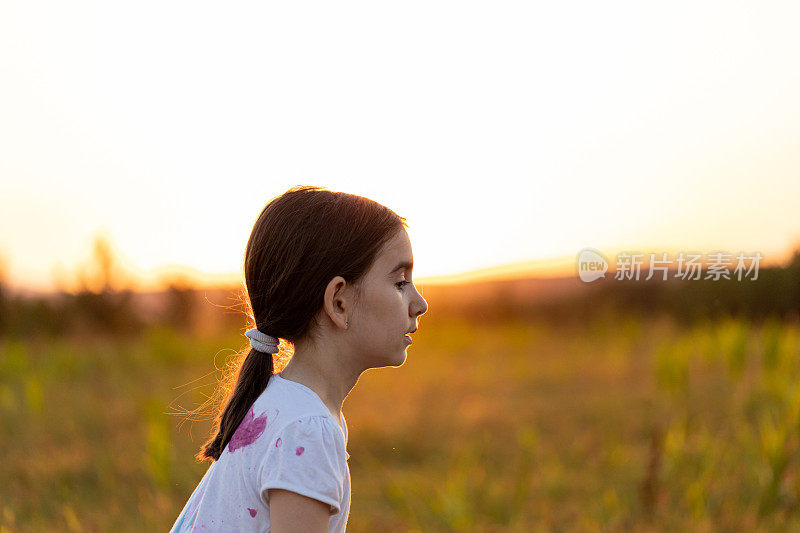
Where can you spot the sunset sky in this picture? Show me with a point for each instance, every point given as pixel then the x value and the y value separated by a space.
pixel 505 132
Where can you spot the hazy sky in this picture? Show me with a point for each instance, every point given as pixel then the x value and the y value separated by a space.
pixel 503 131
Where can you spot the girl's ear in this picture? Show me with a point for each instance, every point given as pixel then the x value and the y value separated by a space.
pixel 337 302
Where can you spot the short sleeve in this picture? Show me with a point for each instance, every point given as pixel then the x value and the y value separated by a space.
pixel 303 458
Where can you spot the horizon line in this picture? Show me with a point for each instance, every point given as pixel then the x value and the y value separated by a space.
pixel 161 278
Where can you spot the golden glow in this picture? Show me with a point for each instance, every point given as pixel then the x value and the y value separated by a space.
pixel 506 134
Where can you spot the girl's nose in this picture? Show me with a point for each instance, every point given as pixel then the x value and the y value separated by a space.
pixel 421 305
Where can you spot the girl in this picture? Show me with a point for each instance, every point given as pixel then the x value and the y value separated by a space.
pixel 330 273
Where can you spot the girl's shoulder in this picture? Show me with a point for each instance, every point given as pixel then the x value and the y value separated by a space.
pixel 308 457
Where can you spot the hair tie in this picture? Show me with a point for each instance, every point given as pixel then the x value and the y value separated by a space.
pixel 261 341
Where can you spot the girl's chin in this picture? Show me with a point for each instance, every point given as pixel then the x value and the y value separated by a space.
pixel 398 360
pixel 403 356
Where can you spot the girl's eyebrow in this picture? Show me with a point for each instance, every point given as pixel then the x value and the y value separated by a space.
pixel 404 265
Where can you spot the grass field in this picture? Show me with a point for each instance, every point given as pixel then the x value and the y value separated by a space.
pixel 616 425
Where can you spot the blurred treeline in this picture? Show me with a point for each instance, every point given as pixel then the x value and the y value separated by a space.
pixel 100 307
pixel 774 294
pixel 108 304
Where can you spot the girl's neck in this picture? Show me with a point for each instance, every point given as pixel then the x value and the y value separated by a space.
pixel 331 386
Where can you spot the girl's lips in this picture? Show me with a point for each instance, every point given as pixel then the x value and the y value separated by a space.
pixel 408 338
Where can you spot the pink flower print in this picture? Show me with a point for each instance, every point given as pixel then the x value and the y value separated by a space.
pixel 252 512
pixel 299 450
pixel 248 431
pixel 278 443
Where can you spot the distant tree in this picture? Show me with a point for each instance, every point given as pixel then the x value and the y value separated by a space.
pixel 98 276
pixel 105 309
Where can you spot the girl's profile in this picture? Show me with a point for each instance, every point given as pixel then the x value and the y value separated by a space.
pixel 328 277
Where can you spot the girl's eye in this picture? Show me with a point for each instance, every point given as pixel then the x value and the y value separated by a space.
pixel 401 284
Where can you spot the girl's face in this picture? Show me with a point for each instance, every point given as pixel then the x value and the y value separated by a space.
pixel 388 306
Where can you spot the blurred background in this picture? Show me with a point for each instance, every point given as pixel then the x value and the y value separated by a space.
pixel 139 142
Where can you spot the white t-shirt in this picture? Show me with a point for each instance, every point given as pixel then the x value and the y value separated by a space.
pixel 288 440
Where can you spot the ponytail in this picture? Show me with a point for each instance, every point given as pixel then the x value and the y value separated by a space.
pixel 251 381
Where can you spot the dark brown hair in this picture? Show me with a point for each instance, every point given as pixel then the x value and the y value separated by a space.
pixel 301 240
